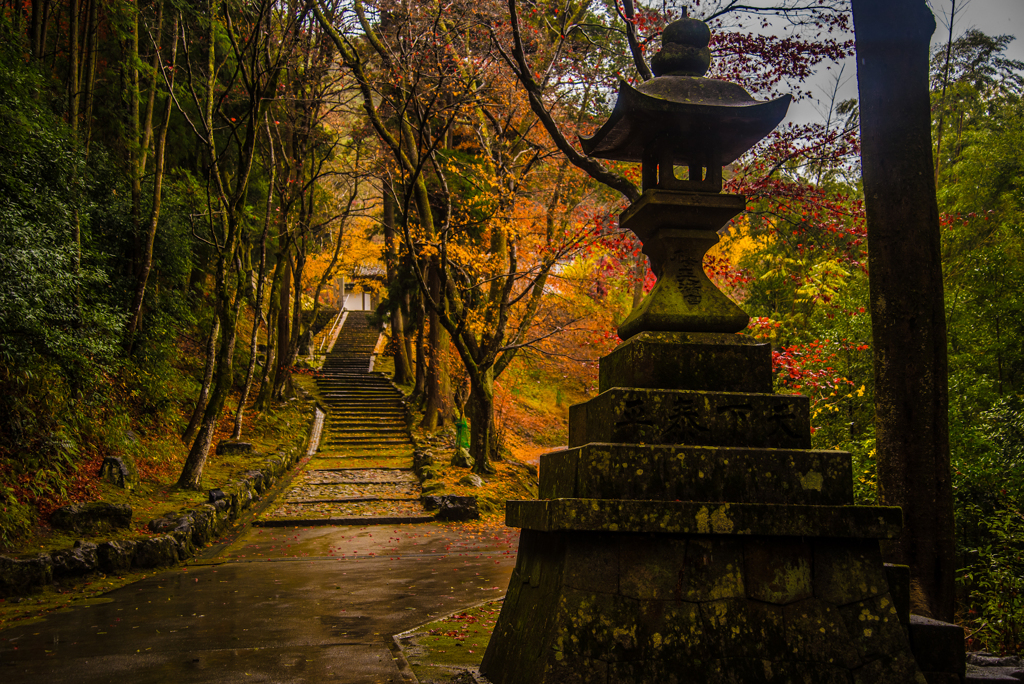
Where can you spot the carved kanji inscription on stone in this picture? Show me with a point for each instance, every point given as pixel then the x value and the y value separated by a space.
pixel 684 420
pixel 687 276
pixel 635 422
pixel 783 418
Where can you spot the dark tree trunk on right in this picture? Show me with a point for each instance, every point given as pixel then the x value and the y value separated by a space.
pixel 907 312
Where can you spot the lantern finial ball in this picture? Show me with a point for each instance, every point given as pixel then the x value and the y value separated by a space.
pixel 684 49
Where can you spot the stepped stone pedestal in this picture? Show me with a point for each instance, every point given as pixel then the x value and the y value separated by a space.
pixel 690 534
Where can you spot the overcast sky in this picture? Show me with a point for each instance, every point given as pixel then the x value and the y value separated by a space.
pixel 994 17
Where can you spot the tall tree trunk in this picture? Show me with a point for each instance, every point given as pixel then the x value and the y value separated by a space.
pixel 942 97
pixel 403 371
pixel 18 8
pixel 89 75
pixel 438 382
pixel 250 371
pixel 40 9
pixel 257 310
pixel 45 29
pixel 204 390
pixel 419 391
pixel 135 142
pixel 295 347
pixel 228 307
pixel 281 375
pixel 268 377
pixel 907 313
pixel 158 184
pixel 409 331
pixel 481 416
pixel 74 89
pixel 155 77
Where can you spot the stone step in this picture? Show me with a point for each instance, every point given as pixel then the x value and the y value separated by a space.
pixel 359 441
pixel 346 429
pixel 366 436
pixel 347 509
pixel 361 379
pixel 350 499
pixel 358 379
pixel 346 432
pixel 371 453
pixel 365 520
pixel 360 482
pixel 374 399
pixel 355 402
pixel 360 364
pixel 358 389
pixel 357 407
pixel 341 407
pixel 375 402
pixel 364 408
pixel 372 417
pixel 386 392
pixel 379 417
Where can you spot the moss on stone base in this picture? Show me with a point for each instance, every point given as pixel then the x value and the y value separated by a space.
pixel 604 607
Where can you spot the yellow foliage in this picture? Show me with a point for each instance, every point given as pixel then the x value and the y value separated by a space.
pixel 357 248
pixel 737 243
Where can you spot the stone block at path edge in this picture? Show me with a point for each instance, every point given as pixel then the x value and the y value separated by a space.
pixel 19 576
pixel 229 446
pixel 458 508
pixel 93 517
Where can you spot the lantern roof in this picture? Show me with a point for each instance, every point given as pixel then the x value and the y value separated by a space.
pixel 703 120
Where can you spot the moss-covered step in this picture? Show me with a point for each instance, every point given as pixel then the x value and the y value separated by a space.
pixel 658 416
pixel 696 517
pixel 685 473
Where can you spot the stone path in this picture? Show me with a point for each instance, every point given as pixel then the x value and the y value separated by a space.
pixel 276 606
pixel 362 474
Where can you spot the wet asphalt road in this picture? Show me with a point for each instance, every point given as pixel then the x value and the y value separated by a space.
pixel 276 605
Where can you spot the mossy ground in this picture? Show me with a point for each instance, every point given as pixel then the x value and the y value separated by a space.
pixel 440 650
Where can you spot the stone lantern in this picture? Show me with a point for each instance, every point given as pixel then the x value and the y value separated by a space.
pixel 681 119
pixel 689 532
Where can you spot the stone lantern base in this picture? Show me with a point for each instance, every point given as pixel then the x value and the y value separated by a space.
pixel 690 534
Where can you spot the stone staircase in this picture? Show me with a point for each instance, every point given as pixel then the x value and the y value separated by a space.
pixel 362 474
pixel 364 408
